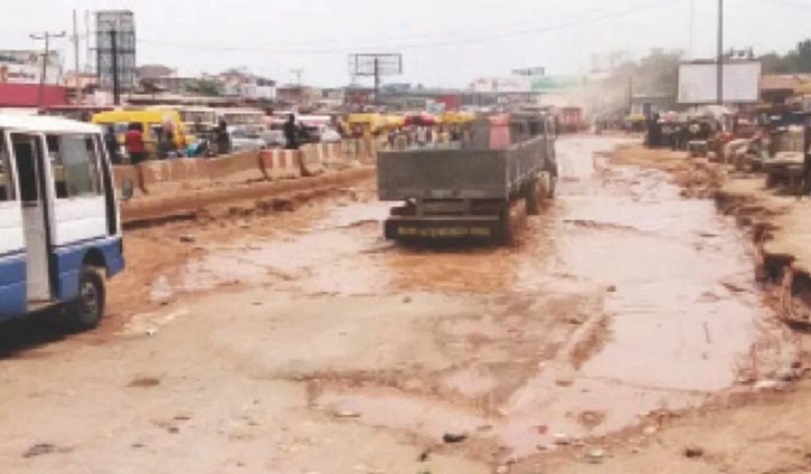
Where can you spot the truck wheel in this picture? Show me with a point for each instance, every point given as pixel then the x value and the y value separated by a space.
pixel 553 186
pixel 513 221
pixel 533 195
pixel 85 312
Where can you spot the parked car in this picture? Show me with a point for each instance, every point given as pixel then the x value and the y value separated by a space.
pixel 329 135
pixel 274 139
pixel 243 139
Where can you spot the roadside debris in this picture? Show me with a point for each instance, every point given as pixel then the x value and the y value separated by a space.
pixel 347 414
pixel 595 456
pixel 561 439
pixel 454 438
pixel 39 449
pixel 693 452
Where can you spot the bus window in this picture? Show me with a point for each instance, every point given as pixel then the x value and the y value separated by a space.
pixel 24 155
pixel 7 191
pixel 75 165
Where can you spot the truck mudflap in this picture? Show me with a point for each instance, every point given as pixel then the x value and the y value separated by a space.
pixel 489 228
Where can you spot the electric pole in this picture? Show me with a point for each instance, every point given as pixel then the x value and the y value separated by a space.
pixel 116 84
pixel 720 96
pixel 377 81
pixel 76 58
pixel 298 73
pixel 47 37
pixel 692 29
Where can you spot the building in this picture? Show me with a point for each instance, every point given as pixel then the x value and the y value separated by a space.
pixel 777 88
pixel 152 71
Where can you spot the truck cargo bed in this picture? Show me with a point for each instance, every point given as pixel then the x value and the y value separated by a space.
pixel 459 173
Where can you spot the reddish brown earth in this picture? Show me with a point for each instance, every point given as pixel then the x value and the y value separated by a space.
pixel 625 325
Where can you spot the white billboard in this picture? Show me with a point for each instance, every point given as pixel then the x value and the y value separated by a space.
pixel 698 82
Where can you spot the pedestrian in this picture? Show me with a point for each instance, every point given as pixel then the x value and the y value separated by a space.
pixel 422 136
pixel 111 143
pixel 223 138
pixel 291 133
pixel 134 144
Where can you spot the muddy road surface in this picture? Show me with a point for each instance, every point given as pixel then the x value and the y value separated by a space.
pixel 307 343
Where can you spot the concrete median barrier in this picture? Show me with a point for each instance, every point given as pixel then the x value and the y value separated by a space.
pixel 280 164
pixel 122 173
pixel 242 167
pixel 312 160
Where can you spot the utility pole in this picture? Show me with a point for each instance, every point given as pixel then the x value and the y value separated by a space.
pixel 46 36
pixel 377 81
pixel 76 58
pixel 298 73
pixel 116 84
pixel 692 28
pixel 630 94
pixel 720 96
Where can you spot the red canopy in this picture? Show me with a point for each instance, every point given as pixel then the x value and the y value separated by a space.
pixel 420 119
pixel 27 95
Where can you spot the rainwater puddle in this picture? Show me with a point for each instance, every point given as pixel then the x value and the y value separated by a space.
pixel 649 302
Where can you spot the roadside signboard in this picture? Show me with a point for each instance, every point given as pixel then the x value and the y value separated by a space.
pixel 698 82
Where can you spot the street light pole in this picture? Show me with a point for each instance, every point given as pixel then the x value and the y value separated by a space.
pixel 720 96
pixel 46 36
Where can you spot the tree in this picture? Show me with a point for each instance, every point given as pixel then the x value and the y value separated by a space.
pixel 204 87
pixel 796 61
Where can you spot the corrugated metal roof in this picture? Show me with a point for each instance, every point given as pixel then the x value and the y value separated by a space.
pixel 783 81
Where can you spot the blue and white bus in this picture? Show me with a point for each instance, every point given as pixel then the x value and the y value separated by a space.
pixel 60 229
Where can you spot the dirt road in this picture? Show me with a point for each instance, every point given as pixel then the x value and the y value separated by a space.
pixel 303 342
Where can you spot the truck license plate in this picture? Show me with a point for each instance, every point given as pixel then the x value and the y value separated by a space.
pixel 445 232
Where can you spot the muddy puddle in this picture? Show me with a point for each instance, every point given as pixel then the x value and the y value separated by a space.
pixel 622 299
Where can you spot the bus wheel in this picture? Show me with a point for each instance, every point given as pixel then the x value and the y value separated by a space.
pixel 85 312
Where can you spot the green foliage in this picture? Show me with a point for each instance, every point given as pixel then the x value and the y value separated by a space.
pixel 797 61
pixel 204 87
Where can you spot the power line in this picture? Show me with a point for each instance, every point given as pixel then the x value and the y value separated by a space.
pixel 422 45
pixel 47 37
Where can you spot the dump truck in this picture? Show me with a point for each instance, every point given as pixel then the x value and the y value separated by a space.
pixel 480 188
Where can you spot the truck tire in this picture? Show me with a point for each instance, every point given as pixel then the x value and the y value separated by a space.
pixel 514 219
pixel 84 313
pixel 533 194
pixel 553 186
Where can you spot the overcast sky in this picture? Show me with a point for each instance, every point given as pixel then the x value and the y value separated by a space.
pixel 444 42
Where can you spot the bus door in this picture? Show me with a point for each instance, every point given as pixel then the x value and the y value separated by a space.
pixel 12 238
pixel 27 152
pixel 81 205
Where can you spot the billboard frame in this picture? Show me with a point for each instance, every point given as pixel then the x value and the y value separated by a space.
pixel 727 64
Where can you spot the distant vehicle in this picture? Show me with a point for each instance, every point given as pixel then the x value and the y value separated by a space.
pixel 274 139
pixel 329 135
pixel 59 219
pixel 479 190
pixel 245 139
pixel 243 117
pixel 571 119
pixel 151 120
pixel 191 116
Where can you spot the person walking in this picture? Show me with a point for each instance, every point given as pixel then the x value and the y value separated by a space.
pixel 111 143
pixel 291 133
pixel 223 138
pixel 134 144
